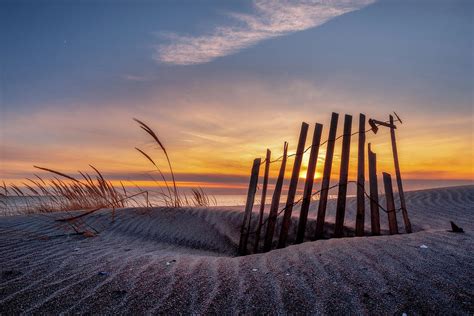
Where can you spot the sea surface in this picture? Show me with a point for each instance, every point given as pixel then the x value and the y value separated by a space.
pixel 12 205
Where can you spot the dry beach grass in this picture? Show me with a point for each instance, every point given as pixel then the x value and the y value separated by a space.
pixel 183 261
pixel 64 192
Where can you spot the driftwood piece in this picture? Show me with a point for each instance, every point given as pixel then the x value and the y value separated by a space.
pixel 455 228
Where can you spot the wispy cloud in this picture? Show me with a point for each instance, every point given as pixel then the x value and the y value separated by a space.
pixel 269 19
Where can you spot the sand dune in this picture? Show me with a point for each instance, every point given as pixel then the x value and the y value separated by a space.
pixel 184 260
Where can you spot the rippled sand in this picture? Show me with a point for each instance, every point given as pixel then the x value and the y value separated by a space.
pixel 184 260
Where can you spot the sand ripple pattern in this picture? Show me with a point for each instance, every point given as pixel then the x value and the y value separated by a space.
pixel 183 261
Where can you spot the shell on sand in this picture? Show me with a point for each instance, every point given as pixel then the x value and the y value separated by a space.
pixel 183 261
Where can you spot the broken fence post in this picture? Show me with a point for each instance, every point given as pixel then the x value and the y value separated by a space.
pixel 308 186
pixel 344 172
pixel 272 217
pixel 374 195
pixel 392 216
pixel 262 201
pixel 285 226
pixel 245 229
pixel 360 217
pixel 323 199
pixel 406 220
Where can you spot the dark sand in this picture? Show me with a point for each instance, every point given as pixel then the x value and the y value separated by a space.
pixel 183 261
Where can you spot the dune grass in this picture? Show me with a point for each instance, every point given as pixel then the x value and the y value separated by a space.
pixel 63 192
pixel 173 197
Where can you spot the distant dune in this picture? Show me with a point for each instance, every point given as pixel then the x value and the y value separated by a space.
pixel 184 261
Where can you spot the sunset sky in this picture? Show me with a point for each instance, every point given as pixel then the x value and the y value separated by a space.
pixel 221 81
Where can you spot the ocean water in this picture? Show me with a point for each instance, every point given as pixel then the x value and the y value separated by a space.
pixel 238 200
pixel 19 205
pixel 408 185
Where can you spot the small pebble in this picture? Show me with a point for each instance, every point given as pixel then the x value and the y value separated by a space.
pixel 254 270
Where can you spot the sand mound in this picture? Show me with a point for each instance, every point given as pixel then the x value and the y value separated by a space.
pixel 183 260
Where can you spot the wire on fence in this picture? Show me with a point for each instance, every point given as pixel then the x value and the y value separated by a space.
pixel 319 191
pixel 332 187
pixel 323 143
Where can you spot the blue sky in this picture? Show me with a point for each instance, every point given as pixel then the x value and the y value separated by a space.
pixel 195 68
pixel 56 51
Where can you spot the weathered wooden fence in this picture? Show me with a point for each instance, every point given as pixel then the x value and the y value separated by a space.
pixel 270 223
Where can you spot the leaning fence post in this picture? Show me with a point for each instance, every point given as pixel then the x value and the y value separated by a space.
pixel 406 220
pixel 374 195
pixel 262 201
pixel 308 186
pixel 360 217
pixel 343 174
pixel 285 226
pixel 244 231
pixel 272 217
pixel 323 199
pixel 392 216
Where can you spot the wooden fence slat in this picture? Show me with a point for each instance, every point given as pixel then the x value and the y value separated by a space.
pixel 406 220
pixel 308 187
pixel 262 201
pixel 245 229
pixel 374 194
pixel 323 199
pixel 343 174
pixel 360 217
pixel 272 217
pixel 392 216
pixel 285 226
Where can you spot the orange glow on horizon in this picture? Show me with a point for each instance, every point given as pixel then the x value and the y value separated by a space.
pixel 181 184
pixel 426 150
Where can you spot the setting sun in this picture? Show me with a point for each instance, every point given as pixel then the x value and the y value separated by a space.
pixel 317 175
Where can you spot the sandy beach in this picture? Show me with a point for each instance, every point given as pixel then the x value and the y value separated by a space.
pixel 139 140
pixel 184 261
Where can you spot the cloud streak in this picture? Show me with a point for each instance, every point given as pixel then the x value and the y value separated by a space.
pixel 270 19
